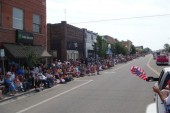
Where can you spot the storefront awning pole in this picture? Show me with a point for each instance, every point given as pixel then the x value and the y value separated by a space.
pixel 3 58
pixel 2 55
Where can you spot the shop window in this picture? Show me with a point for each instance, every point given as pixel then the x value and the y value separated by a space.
pixel 36 23
pixel 17 18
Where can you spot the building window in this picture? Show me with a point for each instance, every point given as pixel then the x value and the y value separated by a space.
pixel 36 23
pixel 17 18
pixel 0 14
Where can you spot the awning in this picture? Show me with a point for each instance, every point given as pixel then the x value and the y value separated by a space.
pixel 22 51
pixel 45 54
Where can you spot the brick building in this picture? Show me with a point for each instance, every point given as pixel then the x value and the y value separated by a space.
pixel 22 23
pixel 65 41
pixel 109 39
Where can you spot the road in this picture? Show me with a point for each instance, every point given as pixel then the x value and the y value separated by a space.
pixel 113 91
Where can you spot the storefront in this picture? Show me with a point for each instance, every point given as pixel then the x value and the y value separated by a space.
pixel 91 53
pixel 72 54
pixel 74 50
pixel 18 53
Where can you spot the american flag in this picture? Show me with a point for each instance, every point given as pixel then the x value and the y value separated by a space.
pixel 138 72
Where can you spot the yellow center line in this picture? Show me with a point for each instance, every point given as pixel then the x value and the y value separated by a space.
pixel 148 65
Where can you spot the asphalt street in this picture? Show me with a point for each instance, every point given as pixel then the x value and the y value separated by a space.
pixel 115 90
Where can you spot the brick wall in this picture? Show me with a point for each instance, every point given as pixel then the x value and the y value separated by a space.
pixel 63 33
pixel 29 7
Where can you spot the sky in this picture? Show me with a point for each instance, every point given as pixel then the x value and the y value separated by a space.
pixel 144 22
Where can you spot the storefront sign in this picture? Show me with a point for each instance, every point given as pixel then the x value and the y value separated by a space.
pixel 24 37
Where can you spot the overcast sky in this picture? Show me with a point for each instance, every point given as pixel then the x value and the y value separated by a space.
pixel 152 32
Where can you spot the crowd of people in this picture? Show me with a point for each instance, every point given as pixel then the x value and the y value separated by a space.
pixel 21 79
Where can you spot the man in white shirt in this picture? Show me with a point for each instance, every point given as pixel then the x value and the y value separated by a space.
pixel 50 77
pixel 44 80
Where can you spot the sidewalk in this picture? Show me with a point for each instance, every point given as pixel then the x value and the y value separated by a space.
pixel 8 97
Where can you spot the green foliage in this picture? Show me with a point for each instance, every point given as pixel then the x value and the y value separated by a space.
pixel 118 48
pixel 113 48
pixel 167 47
pixel 31 57
pixel 133 50
pixel 146 50
pixel 102 46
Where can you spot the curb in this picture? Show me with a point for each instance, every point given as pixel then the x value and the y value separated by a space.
pixel 6 98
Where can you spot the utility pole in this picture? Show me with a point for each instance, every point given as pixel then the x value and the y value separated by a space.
pixel 168 45
pixel 65 14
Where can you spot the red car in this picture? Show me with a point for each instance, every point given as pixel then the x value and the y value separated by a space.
pixel 162 59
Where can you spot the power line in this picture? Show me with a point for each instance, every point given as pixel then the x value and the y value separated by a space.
pixel 138 17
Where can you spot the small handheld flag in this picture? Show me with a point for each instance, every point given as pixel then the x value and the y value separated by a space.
pixel 138 72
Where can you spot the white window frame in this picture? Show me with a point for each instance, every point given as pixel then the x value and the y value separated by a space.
pixel 36 23
pixel 18 18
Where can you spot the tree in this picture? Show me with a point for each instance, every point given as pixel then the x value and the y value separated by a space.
pixel 31 57
pixel 113 48
pixel 124 50
pixel 133 49
pixel 146 50
pixel 102 46
pixel 167 47
pixel 118 48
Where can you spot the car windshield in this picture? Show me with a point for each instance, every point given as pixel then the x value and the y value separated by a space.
pixel 162 56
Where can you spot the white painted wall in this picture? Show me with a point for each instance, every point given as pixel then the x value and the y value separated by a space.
pixel 89 41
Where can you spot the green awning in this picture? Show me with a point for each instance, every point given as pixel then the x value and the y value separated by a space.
pixel 22 51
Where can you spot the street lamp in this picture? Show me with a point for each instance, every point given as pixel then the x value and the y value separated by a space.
pixel 168 45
